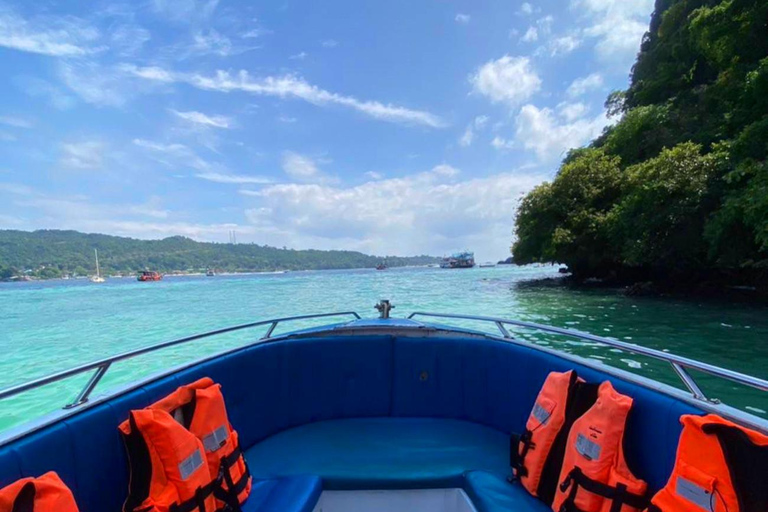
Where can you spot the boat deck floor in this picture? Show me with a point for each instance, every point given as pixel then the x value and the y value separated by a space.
pixel 397 453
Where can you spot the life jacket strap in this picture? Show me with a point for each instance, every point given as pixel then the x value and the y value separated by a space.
pixel 226 463
pixel 618 495
pixel 197 502
pixel 517 455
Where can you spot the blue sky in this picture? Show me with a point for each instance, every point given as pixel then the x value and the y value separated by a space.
pixel 394 127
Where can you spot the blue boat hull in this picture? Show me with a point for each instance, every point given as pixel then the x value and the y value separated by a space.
pixel 367 408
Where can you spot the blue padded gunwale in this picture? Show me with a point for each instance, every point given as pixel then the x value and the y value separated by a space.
pixel 274 386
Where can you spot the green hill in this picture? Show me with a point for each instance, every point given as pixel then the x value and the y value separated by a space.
pixel 677 189
pixel 53 253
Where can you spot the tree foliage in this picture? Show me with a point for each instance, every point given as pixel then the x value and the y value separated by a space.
pixel 53 253
pixel 682 177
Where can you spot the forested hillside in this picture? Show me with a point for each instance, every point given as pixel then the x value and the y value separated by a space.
pixel 678 187
pixel 51 253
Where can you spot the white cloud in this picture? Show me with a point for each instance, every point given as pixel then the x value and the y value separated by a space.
pixel 374 175
pixel 468 136
pixel 234 179
pixel 572 111
pixel 585 84
pixel 417 214
pixel 83 155
pixel 545 24
pixel 56 37
pixel 563 45
pixel 16 122
pixel 128 39
pixel 532 34
pixel 477 124
pixel 287 86
pixel 510 80
pixel 617 25
pixel 174 149
pixel 301 167
pixel 445 170
pixel 540 131
pixel 80 212
pixel 176 155
pixel 98 85
pixel 299 56
pixel 501 143
pixel 329 43
pixel 287 119
pixel 526 9
pixel 211 42
pixel 256 31
pixel 198 118
pixel 462 18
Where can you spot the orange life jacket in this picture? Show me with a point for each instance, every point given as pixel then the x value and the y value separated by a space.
pixel 44 494
pixel 184 454
pixel 537 454
pixel 720 467
pixel 595 476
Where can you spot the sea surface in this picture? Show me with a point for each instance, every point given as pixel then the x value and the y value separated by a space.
pixel 51 326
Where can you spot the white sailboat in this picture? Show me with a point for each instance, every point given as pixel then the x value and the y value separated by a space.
pixel 97 278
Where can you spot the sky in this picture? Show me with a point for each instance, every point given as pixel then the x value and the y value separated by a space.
pixel 392 128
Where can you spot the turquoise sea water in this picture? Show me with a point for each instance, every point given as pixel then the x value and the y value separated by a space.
pixel 51 326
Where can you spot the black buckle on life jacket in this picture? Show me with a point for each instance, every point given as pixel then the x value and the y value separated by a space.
pixel 229 495
pixel 618 495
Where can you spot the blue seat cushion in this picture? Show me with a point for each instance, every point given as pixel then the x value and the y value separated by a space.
pixel 292 494
pixel 382 453
pixel 492 493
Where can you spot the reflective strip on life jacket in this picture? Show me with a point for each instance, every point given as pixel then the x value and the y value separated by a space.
pixel 594 476
pixel 537 455
pixel 184 454
pixel 44 494
pixel 720 467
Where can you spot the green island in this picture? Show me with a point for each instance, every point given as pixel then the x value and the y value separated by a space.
pixel 50 254
pixel 675 193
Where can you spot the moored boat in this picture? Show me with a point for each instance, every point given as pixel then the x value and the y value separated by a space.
pixel 149 275
pixel 465 259
pixel 97 278
pixel 387 414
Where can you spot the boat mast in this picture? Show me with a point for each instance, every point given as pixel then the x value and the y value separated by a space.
pixel 96 252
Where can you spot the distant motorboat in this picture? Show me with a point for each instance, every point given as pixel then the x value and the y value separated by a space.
pixel 487 265
pixel 464 259
pixel 149 275
pixel 210 273
pixel 381 266
pixel 97 278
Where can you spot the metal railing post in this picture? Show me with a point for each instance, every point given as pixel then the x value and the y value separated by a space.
pixel 89 386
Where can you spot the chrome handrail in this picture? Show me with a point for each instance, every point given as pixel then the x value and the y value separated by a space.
pixel 680 364
pixel 102 366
